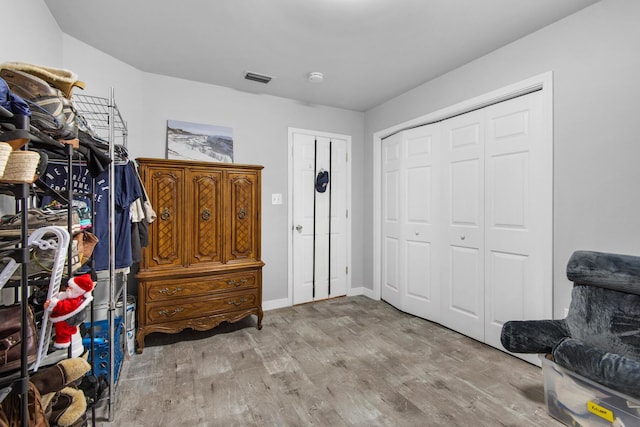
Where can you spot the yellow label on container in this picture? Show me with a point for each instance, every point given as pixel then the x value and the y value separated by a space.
pixel 600 411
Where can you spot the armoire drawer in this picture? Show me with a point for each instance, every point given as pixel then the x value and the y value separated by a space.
pixel 194 308
pixel 162 290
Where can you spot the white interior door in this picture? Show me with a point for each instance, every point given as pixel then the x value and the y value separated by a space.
pixel 339 217
pixel 518 213
pixel 303 217
pixel 320 219
pixel 463 215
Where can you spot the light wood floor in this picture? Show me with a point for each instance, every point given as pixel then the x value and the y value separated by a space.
pixel 345 362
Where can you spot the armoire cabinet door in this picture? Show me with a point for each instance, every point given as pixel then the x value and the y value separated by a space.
pixel 243 215
pixel 166 232
pixel 205 212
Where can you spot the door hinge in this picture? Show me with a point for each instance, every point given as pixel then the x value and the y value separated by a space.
pixel 346 157
pixel 347 213
pixel 346 270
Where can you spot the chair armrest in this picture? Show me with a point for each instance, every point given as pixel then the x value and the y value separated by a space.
pixel 533 336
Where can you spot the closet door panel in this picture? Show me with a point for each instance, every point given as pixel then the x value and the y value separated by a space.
pixel 506 279
pixel 206 216
pixel 463 217
pixel 518 214
pixel 416 241
pixel 392 259
pixel 464 296
pixel 421 233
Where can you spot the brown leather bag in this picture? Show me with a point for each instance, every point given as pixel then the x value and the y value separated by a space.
pixel 12 404
pixel 87 241
pixel 11 337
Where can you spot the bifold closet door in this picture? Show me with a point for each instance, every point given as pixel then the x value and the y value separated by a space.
pixel 411 183
pixel 497 214
pixel 463 193
pixel 518 215
pixel 391 220
pixel 467 219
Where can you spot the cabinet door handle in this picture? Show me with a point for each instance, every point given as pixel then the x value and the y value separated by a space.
pixel 206 214
pixel 165 214
pixel 167 313
pixel 232 282
pixel 237 302
pixel 242 213
pixel 169 292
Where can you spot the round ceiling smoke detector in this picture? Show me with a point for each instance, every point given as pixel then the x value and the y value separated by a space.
pixel 316 77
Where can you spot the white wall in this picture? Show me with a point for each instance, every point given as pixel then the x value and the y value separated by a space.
pixel 101 72
pixel 260 124
pixel 594 58
pixel 30 33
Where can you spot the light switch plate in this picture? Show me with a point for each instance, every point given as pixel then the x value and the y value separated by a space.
pixel 276 199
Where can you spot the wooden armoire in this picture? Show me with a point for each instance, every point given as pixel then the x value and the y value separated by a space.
pixel 202 266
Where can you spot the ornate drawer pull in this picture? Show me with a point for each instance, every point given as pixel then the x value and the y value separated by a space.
pixel 241 282
pixel 238 302
pixel 167 313
pixel 206 214
pixel 165 214
pixel 169 292
pixel 242 213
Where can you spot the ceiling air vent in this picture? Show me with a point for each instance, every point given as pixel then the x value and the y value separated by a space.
pixel 260 78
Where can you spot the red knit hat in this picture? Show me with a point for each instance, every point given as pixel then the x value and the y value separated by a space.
pixel 81 283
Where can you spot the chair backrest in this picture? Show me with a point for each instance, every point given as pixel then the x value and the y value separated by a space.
pixel 605 301
pixel 611 271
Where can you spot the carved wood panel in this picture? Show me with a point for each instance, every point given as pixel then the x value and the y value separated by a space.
pixel 166 195
pixel 206 216
pixel 243 208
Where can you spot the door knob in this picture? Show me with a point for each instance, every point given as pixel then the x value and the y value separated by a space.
pixel 462 237
pixel 299 228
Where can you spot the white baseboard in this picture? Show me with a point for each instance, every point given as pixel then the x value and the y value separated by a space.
pixel 284 302
pixel 362 291
pixel 275 303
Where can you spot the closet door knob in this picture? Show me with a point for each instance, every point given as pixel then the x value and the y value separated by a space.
pixel 462 237
pixel 299 228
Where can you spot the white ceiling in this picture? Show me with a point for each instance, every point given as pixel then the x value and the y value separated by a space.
pixel 368 50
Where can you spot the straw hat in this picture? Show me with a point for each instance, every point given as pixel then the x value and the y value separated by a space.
pixel 5 152
pixel 21 167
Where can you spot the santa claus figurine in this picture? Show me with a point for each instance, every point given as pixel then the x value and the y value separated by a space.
pixel 64 306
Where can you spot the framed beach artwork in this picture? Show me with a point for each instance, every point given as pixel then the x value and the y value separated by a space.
pixel 195 141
